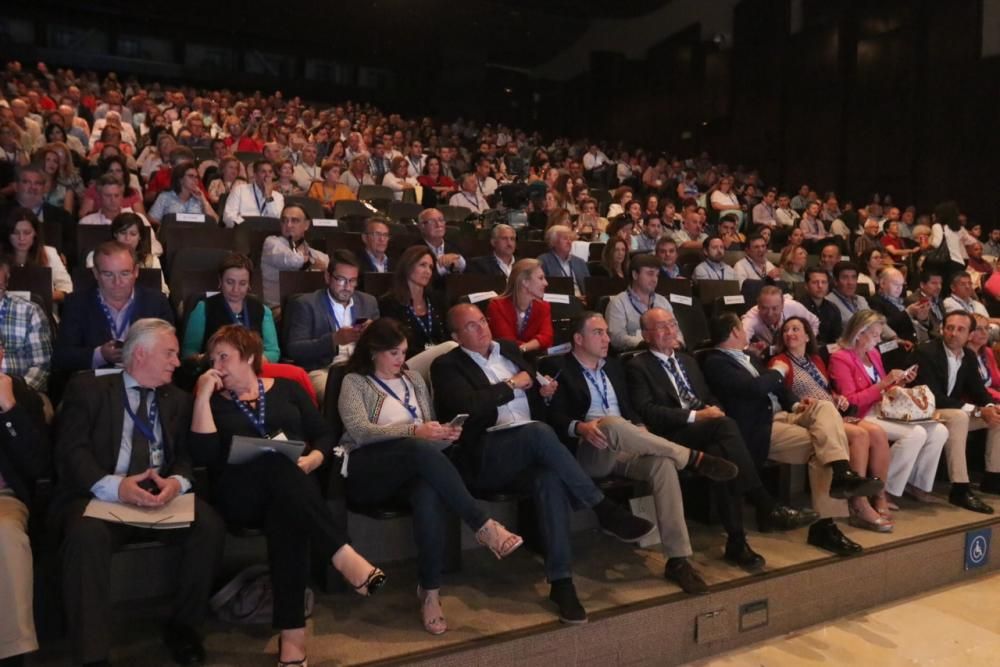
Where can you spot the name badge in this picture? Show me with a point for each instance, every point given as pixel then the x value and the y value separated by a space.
pixel 325 222
pixel 476 297
pixel 189 217
pixel 845 258
pixel 888 346
pixel 681 299
pixel 211 294
pixel 733 299
pixel 556 298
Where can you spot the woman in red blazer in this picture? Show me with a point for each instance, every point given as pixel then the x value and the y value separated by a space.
pixel 520 314
pixel 988 370
pixel 859 376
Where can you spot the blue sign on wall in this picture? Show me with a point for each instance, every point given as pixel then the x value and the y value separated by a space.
pixel 977 548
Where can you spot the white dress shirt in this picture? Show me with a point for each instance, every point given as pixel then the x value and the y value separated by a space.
pixel 248 200
pixel 500 369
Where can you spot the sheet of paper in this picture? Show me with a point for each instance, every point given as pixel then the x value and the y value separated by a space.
pixel 178 513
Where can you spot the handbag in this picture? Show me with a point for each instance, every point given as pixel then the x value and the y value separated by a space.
pixel 939 256
pixel 249 598
pixel 908 404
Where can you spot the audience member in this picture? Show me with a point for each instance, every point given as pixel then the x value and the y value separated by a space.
pixel 233 304
pixel 95 321
pixel 413 302
pixel 25 338
pixel 755 265
pixel 123 438
pixel 184 196
pixel 271 491
pixel 559 261
pixel 375 239
pixel 666 252
pixel 521 314
pixel 503 240
pixel 713 267
pixel 469 195
pixel 627 307
pixel 762 323
pixel 330 188
pixel 492 383
pixel 394 445
pixel 256 199
pixel 288 252
pixel 22 240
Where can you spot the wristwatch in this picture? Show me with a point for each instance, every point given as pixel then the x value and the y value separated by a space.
pixel 510 383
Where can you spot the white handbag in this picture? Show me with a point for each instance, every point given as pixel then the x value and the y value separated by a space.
pixel 908 404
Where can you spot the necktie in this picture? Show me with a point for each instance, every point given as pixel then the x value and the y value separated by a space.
pixel 683 388
pixel 140 444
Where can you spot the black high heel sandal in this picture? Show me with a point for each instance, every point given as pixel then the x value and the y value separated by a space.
pixel 371 585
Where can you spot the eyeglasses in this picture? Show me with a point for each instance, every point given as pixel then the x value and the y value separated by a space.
pixel 343 282
pixel 378 235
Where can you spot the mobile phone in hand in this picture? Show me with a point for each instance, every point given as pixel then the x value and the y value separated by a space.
pixel 458 420
pixel 360 321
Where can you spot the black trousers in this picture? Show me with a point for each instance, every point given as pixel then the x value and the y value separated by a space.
pixel 86 550
pixel 273 494
pixel 721 437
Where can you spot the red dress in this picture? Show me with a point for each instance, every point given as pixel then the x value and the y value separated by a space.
pixel 502 317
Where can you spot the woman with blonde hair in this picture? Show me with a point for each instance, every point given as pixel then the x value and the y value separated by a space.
pixel 521 314
pixel 858 375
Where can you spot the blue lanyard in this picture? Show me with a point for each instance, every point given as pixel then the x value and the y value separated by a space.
pixel 635 305
pixel 242 318
pixel 984 371
pixel 117 331
pixel 849 305
pixel 602 390
pixel 148 429
pixel 259 419
pixel 412 409
pixel 260 207
pixel 721 272
pixel 521 325
pixel 333 315
pixel 808 366
pixel 426 326
pixel 754 267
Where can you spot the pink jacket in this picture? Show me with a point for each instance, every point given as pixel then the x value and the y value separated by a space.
pixel 848 375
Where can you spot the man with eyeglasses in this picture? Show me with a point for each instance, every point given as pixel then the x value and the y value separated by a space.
pixel 323 326
pixel 447 255
pixel 96 320
pixel 375 239
pixel 504 438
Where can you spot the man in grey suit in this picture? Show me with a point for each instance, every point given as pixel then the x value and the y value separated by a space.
pixel 323 326
pixel 559 261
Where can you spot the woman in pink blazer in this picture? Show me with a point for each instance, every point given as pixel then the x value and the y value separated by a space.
pixel 520 314
pixel 857 372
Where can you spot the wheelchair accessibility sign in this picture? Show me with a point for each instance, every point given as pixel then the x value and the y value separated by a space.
pixel 977 548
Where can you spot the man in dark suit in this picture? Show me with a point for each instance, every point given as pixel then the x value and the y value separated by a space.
pixel 95 321
pixel 898 316
pixel 775 427
pixel 817 287
pixel 375 238
pixel 29 192
pixel 122 438
pixel 952 373
pixel 560 261
pixel 493 384
pixel 323 326
pixel 503 239
pixel 447 255
pixel 592 413
pixel 23 456
pixel 676 403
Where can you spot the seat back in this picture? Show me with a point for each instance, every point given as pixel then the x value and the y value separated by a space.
pixel 693 324
pixel 376 284
pixel 34 279
pixel 89 237
pixel 401 211
pixel 455 214
pixel 597 287
pixel 299 282
pixel 371 192
pixel 261 223
pixel 334 381
pixel 311 206
pixel 457 285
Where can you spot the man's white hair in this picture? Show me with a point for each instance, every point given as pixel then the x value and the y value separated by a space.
pixel 142 334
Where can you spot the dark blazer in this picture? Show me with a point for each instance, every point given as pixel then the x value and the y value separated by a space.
pixel 933 372
pixel 744 398
pixel 552 267
pixel 461 387
pixel 24 442
pixel 830 322
pixel 308 326
pixel 897 319
pixel 652 391
pixel 416 339
pixel 571 402
pixel 89 428
pixel 85 327
pixel 449 247
pixel 486 265
pixel 367 266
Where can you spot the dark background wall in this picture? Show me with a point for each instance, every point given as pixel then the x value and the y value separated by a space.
pixel 888 96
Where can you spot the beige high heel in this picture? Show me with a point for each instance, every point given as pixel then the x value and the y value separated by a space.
pixel 433 619
pixel 498 539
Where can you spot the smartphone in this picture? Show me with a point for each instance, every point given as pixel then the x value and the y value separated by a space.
pixel 542 380
pixel 360 321
pixel 458 420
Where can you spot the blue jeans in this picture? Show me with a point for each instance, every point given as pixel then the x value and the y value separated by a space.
pixel 382 470
pixel 557 481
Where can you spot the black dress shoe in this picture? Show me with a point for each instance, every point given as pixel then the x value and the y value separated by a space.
pixel 184 644
pixel 714 468
pixel 826 535
pixel 681 572
pixel 783 517
pixel 619 522
pixel 563 593
pixel 741 555
pixel 971 502
pixel 850 484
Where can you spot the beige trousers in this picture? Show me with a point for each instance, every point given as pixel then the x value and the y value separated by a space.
pixel 959 424
pixel 637 454
pixel 815 437
pixel 17 624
